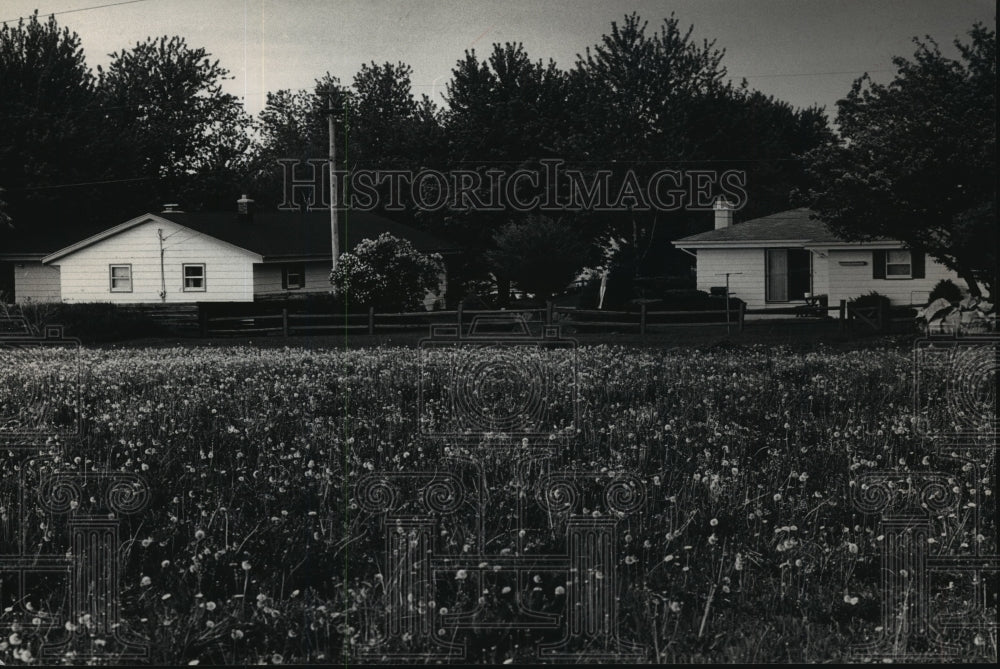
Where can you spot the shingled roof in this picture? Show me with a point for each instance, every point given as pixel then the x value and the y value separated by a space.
pixel 273 235
pixel 31 241
pixel 277 235
pixel 792 225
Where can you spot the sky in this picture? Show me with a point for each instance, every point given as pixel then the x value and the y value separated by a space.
pixel 802 51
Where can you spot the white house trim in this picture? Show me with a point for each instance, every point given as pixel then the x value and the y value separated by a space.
pixel 128 225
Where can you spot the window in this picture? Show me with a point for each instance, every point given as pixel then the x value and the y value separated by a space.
pixel 897 265
pixel 293 276
pixel 901 264
pixel 121 278
pixel 194 278
pixel 788 274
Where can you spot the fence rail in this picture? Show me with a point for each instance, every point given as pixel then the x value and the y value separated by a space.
pixel 288 323
pixel 851 319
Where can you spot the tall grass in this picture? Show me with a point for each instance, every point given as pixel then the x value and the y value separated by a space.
pixel 253 550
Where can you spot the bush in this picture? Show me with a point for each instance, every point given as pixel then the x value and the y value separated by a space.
pixel 872 299
pixel 946 289
pixel 91 322
pixel 540 254
pixel 386 273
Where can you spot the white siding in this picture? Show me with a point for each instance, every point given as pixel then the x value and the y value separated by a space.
pixel 228 270
pixel 267 278
pixel 820 275
pixel 848 282
pixel 748 286
pixel 35 282
pixel 838 282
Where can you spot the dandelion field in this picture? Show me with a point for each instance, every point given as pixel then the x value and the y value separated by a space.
pixel 252 547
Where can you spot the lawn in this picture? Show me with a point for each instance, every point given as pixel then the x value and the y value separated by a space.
pixel 253 545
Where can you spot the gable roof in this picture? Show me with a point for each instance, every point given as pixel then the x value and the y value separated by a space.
pixel 794 225
pixel 32 242
pixel 276 236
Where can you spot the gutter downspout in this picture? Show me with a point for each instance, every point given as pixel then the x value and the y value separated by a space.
pixel 163 278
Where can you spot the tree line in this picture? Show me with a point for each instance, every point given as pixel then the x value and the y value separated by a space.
pixel 90 146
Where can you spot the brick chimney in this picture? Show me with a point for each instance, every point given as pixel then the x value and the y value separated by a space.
pixel 723 213
pixel 244 206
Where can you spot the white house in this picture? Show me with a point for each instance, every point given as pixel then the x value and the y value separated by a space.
pixel 177 257
pixel 776 260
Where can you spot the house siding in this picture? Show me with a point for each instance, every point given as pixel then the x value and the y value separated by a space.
pixel 267 278
pixel 84 274
pixel 35 282
pixel 829 276
pixel 748 285
pixel 820 275
pixel 848 282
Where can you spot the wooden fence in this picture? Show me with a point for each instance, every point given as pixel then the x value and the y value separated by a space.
pixel 252 320
pixel 288 323
pixel 873 319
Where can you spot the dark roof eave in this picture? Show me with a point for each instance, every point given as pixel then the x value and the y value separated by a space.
pixel 318 257
pixel 21 256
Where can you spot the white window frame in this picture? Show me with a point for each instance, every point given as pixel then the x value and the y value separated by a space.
pixel 908 264
pixel 184 278
pixel 112 278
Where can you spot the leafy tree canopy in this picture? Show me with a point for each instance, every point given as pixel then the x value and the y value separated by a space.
pixel 178 125
pixel 540 254
pixel 916 159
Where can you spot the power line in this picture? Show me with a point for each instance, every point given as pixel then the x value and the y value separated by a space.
pixel 82 9
pixel 82 183
pixel 804 74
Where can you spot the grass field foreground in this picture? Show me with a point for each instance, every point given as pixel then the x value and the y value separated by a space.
pixel 251 548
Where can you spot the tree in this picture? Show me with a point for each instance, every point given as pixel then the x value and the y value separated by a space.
pixel 916 159
pixel 386 119
pixel 504 112
pixel 51 121
pixel 540 254
pixel 292 126
pixel 655 100
pixel 386 273
pixel 175 124
pixel 390 129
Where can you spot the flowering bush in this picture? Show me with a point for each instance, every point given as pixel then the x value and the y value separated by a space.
pixel 386 273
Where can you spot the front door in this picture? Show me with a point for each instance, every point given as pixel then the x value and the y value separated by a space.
pixel 788 274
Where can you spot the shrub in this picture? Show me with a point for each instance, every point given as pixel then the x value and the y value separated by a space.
pixel 91 322
pixel 386 273
pixel 872 299
pixel 946 289
pixel 540 254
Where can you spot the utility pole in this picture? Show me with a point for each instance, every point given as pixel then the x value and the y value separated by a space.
pixel 334 230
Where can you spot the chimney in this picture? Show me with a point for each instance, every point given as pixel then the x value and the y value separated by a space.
pixel 723 213
pixel 244 206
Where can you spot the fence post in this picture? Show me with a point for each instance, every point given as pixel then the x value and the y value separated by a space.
pixel 881 317
pixel 843 316
pixel 371 320
pixel 284 321
pixel 740 315
pixel 642 318
pixel 458 311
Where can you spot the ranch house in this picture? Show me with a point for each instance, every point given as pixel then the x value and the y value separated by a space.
pixel 177 257
pixel 788 258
